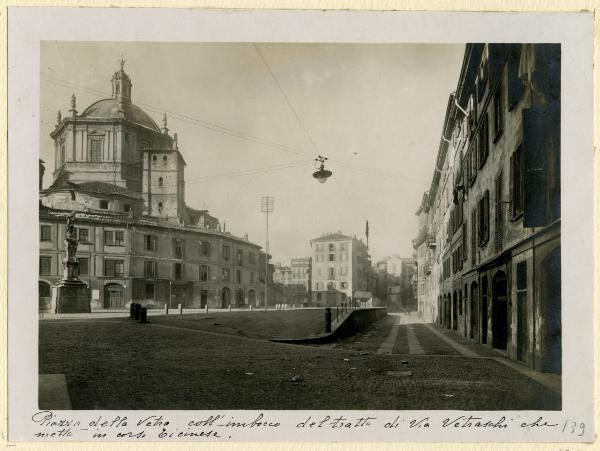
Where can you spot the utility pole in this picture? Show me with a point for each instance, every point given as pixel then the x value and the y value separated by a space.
pixel 267 205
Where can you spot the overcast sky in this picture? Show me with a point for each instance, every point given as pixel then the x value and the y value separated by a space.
pixel 375 110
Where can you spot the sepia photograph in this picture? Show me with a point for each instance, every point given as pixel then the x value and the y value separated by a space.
pixel 300 226
pixel 300 220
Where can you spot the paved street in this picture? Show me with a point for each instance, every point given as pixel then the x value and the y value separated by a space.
pixel 398 363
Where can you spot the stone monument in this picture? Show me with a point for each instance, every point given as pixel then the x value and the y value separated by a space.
pixel 72 295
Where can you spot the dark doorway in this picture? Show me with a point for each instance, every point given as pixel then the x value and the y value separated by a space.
pixel 113 297
pixel 251 297
pixel 225 297
pixel 203 298
pixel 239 297
pixel 551 313
pixel 522 311
pixel 474 310
pixel 499 311
pixel 484 309
pixel 180 295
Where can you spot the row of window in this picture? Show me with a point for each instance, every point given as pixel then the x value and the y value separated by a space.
pixel 477 154
pixel 331 257
pixel 117 238
pixel 343 271
pixel 116 268
pixel 331 286
pixel 331 247
pixel 46 266
pixel 480 216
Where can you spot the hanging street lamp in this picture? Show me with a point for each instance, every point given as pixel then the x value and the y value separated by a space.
pixel 321 174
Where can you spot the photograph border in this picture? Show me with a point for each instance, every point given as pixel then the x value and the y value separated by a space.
pixel 567 240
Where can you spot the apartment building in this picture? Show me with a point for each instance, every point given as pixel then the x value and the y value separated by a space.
pixel 488 245
pixel 341 267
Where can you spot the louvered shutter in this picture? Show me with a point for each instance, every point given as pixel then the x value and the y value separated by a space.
pixel 537 123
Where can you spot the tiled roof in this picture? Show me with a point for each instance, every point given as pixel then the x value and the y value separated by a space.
pixel 92 188
pixel 332 237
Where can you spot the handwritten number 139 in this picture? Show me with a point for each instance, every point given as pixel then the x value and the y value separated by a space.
pixel 572 427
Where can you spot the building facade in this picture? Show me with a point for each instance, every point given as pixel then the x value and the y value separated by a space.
pixel 294 281
pixel 341 267
pixel 123 176
pixel 488 245
pixel 394 282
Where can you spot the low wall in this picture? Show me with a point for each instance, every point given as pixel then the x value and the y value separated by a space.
pixel 356 321
pixel 359 320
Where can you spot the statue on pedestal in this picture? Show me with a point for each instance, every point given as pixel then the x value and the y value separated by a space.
pixel 72 295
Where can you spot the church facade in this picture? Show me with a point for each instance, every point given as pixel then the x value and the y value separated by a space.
pixel 138 240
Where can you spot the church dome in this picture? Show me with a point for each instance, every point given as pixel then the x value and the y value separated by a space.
pixel 110 109
pixel 119 106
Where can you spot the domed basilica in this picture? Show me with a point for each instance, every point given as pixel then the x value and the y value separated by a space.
pixel 138 241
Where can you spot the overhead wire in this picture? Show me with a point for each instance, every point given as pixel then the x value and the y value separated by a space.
pixel 228 131
pixel 262 57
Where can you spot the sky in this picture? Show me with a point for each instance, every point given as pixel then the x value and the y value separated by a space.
pixel 251 119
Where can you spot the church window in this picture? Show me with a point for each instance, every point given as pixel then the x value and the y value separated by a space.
pixel 165 159
pixel 45 265
pixel 96 150
pixel 160 206
pixel 104 204
pixel 154 158
pixel 160 181
pixel 45 233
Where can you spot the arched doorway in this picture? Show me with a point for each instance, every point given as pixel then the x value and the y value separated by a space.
pixel 499 311
pixel 474 310
pixel 251 297
pixel 455 311
pixel 225 297
pixel 203 298
pixel 239 297
pixel 45 296
pixel 113 297
pixel 484 309
pixel 551 313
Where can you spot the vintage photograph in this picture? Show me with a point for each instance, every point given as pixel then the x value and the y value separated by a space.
pixel 293 226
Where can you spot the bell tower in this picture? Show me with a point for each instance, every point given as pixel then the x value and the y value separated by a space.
pixel 121 85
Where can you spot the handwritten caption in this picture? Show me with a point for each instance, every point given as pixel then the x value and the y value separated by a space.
pixel 50 425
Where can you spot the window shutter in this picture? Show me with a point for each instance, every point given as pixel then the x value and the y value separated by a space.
pixel 511 199
pixel 515 85
pixel 538 124
pixel 499 220
pixel 474 235
pixel 487 215
pixel 464 240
